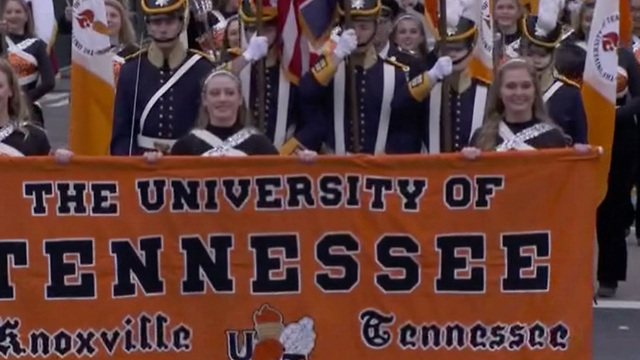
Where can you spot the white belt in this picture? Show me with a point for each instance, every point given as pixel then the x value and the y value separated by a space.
pixel 151 143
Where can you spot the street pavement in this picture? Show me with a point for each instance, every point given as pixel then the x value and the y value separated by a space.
pixel 616 333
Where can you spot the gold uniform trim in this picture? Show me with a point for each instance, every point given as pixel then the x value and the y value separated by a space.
pixel 567 81
pixel 420 87
pixel 392 61
pixel 324 70
pixel 291 147
pixel 464 36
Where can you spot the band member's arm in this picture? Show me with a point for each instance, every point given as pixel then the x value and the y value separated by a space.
pixel 257 49
pixel 632 107
pixel 312 125
pixel 123 117
pixel 579 120
pixel 47 75
pixel 420 86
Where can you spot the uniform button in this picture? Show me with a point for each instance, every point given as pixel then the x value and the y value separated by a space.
pixel 160 134
pixel 170 116
pixel 160 116
pixel 161 81
pixel 170 108
pixel 171 98
pixel 160 125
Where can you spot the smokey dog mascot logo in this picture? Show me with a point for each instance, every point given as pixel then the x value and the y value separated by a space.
pixel 271 338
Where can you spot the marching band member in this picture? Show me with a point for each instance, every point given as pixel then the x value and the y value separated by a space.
pixel 158 90
pixel 468 95
pixel 516 115
pixel 28 55
pixel 18 137
pixel 221 128
pixel 541 34
pixel 615 214
pixel 507 15
pixel 386 105
pixel 123 37
pixel 409 35
pixel 569 61
pixel 281 107
pixel 232 33
pixel 205 27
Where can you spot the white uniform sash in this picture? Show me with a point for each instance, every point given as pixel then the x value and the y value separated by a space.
pixel 19 51
pixel 6 149
pixel 435 101
pixel 511 141
pixel 551 90
pixel 281 133
pixel 339 96
pixel 224 148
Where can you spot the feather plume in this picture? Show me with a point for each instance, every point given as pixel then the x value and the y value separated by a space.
pixel 454 12
pixel 548 13
pixel 471 9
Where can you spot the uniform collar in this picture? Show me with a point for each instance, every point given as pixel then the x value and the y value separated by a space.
pixel 176 56
pixel 369 59
pixel 462 82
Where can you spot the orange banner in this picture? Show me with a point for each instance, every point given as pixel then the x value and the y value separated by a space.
pixel 266 259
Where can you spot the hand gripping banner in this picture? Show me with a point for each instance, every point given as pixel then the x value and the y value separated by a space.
pixel 267 259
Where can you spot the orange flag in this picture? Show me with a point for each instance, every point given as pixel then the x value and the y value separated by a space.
pixel 626 23
pixel 481 65
pixel 92 80
pixel 599 86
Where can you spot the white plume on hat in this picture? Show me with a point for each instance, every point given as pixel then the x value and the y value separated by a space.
pixel 548 12
pixel 457 9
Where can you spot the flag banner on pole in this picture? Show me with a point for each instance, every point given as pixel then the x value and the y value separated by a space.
pixel 92 80
pixel 599 81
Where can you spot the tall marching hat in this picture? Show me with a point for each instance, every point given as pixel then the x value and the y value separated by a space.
pixel 544 30
pixel 361 9
pixel 163 7
pixel 460 24
pixel 248 11
pixel 390 9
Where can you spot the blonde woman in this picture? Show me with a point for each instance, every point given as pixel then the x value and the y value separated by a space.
pixel 221 128
pixel 17 136
pixel 27 55
pixel 516 117
pixel 506 17
pixel 409 35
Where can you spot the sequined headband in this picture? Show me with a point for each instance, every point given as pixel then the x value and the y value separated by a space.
pixel 215 73
pixel 511 61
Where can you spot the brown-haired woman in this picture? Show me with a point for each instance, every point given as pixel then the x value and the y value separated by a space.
pixel 27 54
pixel 516 117
pixel 121 33
pixel 17 136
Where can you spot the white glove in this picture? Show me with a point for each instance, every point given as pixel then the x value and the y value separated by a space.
pixel 347 42
pixel 442 68
pixel 257 48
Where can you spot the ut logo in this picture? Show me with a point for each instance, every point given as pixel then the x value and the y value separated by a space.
pixel 85 19
pixel 241 348
pixel 610 41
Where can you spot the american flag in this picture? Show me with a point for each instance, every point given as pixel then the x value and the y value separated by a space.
pixel 304 24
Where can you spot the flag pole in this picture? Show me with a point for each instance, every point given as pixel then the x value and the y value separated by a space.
pixel 261 70
pixel 351 83
pixel 445 109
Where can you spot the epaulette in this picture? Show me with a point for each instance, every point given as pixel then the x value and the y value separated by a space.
pixel 482 81
pixel 235 51
pixel 135 55
pixel 392 61
pixel 203 54
pixel 567 81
